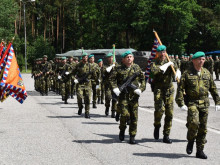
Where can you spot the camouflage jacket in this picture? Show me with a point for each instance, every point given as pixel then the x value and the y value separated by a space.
pixel 97 71
pixel 62 71
pixel 107 75
pixel 196 87
pixel 160 79
pixel 45 67
pixel 122 73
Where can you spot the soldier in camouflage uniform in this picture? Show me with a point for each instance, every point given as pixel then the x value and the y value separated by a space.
pixel 163 93
pixel 211 65
pixel 95 84
pixel 128 98
pixel 65 79
pixel 83 73
pixel 196 82
pixel 45 72
pixel 107 73
pixel 101 89
pixel 72 84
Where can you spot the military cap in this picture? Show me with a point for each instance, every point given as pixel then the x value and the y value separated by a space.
pixel 198 54
pixel 75 58
pixel 100 60
pixel 109 55
pixel 91 55
pixel 45 56
pixel 63 58
pixel 126 53
pixel 70 56
pixel 84 54
pixel 161 48
pixel 40 59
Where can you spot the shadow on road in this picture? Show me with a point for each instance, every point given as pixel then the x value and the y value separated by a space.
pixel 64 117
pixel 149 107
pixel 162 155
pixel 160 140
pixel 100 123
pixel 35 93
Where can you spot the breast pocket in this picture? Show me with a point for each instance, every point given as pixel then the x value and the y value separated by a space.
pixel 205 79
pixel 192 81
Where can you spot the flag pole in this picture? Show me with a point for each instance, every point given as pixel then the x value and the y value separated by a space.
pixel 6 52
pixel 158 39
pixel 113 53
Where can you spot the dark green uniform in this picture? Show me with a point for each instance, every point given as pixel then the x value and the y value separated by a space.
pixel 196 88
pixel 45 70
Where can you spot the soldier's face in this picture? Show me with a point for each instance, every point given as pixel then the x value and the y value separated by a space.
pixel 162 55
pixel 198 62
pixel 128 60
pixel 85 59
pixel 45 58
pixel 100 64
pixel 91 60
pixel 110 60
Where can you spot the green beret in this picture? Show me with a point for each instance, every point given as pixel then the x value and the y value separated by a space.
pixel 70 56
pixel 45 56
pixel 161 48
pixel 126 53
pixel 198 54
pixel 109 55
pixel 100 60
pixel 191 54
pixel 63 58
pixel 40 59
pixel 75 58
pixel 84 54
pixel 91 55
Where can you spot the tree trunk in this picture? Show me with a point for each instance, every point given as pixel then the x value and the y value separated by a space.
pixel 63 30
pixel 16 32
pixel 58 20
pixel 45 28
pixel 33 25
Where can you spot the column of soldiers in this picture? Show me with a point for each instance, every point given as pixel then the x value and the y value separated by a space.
pixel 122 84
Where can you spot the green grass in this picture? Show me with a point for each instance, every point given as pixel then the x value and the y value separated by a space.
pixel 28 71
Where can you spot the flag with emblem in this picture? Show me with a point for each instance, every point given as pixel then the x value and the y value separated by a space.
pixel 148 76
pixel 11 82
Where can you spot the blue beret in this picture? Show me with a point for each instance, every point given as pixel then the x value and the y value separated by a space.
pixel 198 54
pixel 161 48
pixel 100 60
pixel 109 55
pixel 126 53
pixel 91 55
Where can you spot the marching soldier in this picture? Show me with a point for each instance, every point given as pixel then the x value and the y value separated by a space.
pixel 101 89
pixel 196 82
pixel 132 75
pixel 216 68
pixel 95 84
pixel 163 93
pixel 107 73
pixel 84 72
pixel 72 85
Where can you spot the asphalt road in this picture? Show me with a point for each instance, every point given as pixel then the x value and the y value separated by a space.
pixel 43 130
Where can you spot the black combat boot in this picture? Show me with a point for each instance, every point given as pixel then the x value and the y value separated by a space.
pixel 117 117
pixel 113 114
pixel 166 139
pixel 87 115
pixel 132 140
pixel 189 148
pixel 99 99
pixel 62 98
pixel 107 111
pixel 102 102
pixel 72 97
pixel 94 105
pixel 122 135
pixel 200 154
pixel 156 133
pixel 65 102
pixel 80 111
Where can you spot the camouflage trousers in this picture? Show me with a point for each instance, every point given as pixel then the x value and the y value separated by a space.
pixel 94 92
pixel 45 84
pixel 163 102
pixel 128 110
pixel 217 74
pixel 101 91
pixel 83 91
pixel 197 124
pixel 65 89
pixel 108 98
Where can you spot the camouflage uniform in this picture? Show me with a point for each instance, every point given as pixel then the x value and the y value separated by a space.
pixel 128 102
pixel 216 68
pixel 163 95
pixel 196 99
pixel 45 68
pixel 72 84
pixel 101 89
pixel 83 89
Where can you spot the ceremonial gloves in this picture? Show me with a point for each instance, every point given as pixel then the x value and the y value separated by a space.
pixel 137 91
pixel 59 77
pixel 110 68
pixel 217 107
pixel 76 81
pixel 116 91
pixel 67 73
pixel 184 108
pixel 165 66
pixel 97 87
pixel 178 74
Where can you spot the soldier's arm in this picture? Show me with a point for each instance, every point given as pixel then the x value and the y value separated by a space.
pixel 155 69
pixel 214 92
pixel 180 91
pixel 142 80
pixel 113 78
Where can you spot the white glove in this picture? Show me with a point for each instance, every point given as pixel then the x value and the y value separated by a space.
pixel 165 66
pixel 97 87
pixel 76 81
pixel 110 68
pixel 116 91
pixel 184 108
pixel 178 74
pixel 137 91
pixel 67 73
pixel 217 107
pixel 59 77
pixel 99 80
